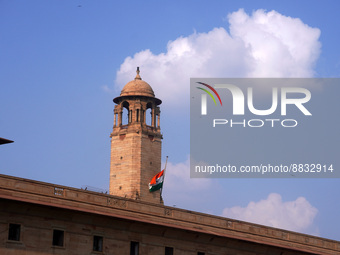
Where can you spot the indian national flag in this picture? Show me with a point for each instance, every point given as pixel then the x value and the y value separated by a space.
pixel 156 182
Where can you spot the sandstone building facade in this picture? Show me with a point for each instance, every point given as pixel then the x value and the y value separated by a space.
pixel 41 218
pixel 38 218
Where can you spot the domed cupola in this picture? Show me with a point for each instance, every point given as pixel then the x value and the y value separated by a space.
pixel 137 87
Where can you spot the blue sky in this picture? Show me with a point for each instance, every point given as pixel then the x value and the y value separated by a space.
pixel 62 63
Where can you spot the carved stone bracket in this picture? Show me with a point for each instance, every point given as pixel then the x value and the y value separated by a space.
pixel 116 202
pixel 167 212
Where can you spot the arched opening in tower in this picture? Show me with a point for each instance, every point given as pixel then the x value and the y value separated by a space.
pixel 148 114
pixel 126 116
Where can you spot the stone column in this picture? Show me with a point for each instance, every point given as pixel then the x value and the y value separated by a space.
pixel 153 117
pixel 144 116
pixel 158 121
pixel 158 113
pixel 120 117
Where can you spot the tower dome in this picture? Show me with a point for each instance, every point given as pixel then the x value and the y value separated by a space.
pixel 137 87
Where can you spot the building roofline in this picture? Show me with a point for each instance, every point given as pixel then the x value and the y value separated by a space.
pixel 4 141
pixel 48 194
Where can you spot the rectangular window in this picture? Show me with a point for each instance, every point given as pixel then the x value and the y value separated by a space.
pixel 58 238
pixel 134 248
pixel 97 243
pixel 169 251
pixel 14 232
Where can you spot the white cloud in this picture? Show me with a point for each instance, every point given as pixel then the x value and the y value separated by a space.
pixel 179 188
pixel 295 215
pixel 280 46
pixel 265 44
pixel 178 176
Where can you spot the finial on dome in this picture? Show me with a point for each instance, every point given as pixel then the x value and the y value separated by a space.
pixel 137 76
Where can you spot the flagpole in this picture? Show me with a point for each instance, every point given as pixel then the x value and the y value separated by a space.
pixel 166 162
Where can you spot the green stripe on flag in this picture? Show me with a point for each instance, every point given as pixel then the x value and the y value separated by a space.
pixel 156 187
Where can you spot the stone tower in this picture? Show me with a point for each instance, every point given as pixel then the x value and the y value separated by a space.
pixel 136 144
